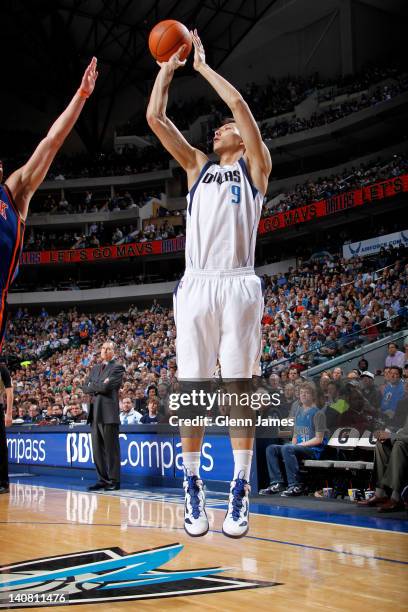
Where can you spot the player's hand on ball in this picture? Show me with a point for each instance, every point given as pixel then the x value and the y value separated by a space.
pixel 174 62
pixel 89 78
pixel 199 53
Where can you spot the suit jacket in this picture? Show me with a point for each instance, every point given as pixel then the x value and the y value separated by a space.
pixel 105 401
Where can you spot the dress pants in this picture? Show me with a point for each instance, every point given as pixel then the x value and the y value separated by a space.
pixel 391 465
pixel 106 451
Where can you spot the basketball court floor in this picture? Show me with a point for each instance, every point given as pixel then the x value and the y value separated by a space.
pixel 63 545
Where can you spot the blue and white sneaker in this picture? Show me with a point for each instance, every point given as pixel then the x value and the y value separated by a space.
pixel 195 517
pixel 236 522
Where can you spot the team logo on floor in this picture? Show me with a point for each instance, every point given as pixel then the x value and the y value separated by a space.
pixel 109 575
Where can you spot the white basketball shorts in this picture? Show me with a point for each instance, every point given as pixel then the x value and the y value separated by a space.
pixel 218 316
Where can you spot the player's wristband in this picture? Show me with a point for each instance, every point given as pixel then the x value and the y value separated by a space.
pixel 82 93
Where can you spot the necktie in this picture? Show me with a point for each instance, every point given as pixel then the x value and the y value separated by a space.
pixel 125 420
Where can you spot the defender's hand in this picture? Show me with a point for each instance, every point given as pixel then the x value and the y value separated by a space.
pixel 199 53
pixel 89 78
pixel 8 420
pixel 174 62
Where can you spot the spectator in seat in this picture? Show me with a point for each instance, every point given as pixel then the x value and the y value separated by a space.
pixel 363 365
pixel 152 416
pixel 335 406
pixel 275 384
pixel 128 415
pixel 369 390
pixel 58 413
pixel 308 442
pixel 22 414
pixel 293 374
pixel 390 470
pixel 387 380
pixel 163 394
pixel 394 357
pixel 151 392
pixel 140 402
pixel 392 394
pixel 76 414
pixel 329 350
pixel 287 400
pixel 47 409
pixel 360 414
pixel 34 414
pixel 280 362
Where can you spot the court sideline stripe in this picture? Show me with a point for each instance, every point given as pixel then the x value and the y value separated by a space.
pixel 249 537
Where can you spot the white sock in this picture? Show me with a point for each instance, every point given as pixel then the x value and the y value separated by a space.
pixel 242 463
pixel 380 492
pixel 191 462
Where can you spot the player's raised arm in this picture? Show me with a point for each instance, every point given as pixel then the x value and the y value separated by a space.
pixel 190 159
pixel 256 152
pixel 24 181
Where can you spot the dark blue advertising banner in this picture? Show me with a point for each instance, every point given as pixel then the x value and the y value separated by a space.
pixel 142 454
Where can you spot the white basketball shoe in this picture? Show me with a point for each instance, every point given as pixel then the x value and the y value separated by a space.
pixel 236 522
pixel 195 517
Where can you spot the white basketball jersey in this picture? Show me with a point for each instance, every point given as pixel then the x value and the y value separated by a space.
pixel 223 212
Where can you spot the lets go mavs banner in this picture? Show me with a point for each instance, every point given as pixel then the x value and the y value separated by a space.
pixel 373 245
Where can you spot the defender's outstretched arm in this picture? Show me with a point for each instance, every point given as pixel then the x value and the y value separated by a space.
pixel 24 181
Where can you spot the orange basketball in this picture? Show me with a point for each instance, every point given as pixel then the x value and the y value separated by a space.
pixel 168 36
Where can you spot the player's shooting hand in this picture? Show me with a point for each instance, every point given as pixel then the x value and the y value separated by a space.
pixel 89 78
pixel 174 62
pixel 199 53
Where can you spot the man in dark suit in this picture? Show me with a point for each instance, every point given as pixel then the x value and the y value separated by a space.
pixel 103 384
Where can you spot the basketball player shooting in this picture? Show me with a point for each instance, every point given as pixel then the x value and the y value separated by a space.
pixel 219 302
pixel 19 188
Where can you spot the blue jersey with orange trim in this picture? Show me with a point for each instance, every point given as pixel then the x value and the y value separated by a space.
pixel 11 243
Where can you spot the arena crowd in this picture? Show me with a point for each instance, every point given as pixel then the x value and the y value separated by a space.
pixel 313 313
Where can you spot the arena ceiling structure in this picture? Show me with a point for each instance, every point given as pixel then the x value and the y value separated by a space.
pixel 47 43
pixel 50 41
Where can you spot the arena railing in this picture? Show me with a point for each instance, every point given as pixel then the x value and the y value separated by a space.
pixel 374 352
